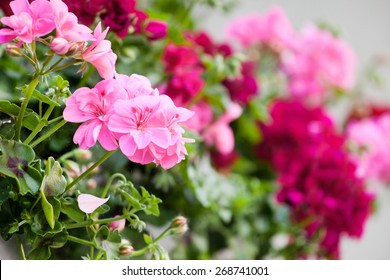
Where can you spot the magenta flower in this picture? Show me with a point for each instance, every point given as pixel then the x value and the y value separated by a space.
pixel 93 106
pixel 156 29
pixel 100 54
pixel 28 22
pixel 89 203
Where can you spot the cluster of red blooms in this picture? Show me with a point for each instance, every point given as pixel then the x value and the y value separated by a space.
pixel 121 16
pixel 317 177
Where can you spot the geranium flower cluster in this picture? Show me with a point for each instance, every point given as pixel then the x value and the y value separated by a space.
pixel 31 22
pixel 317 177
pixel 183 65
pixel 313 61
pixel 121 16
pixel 126 112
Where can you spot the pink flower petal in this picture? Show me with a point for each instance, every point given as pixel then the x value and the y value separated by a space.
pixel 89 203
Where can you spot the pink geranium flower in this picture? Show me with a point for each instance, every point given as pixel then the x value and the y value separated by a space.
pixel 136 85
pixel 68 30
pixel 89 203
pixel 318 62
pixel 93 106
pixel 100 54
pixel 219 133
pixel 370 139
pixel 28 22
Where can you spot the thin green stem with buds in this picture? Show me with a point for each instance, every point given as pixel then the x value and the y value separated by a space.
pixel 144 250
pixel 97 222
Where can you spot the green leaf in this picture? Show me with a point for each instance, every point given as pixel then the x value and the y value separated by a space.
pixel 43 98
pixel 15 163
pixel 41 249
pixel 70 208
pixel 48 210
pixel 39 253
pixel 148 240
pixel 30 120
pixel 109 242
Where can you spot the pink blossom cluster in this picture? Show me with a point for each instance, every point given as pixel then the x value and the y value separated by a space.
pixel 272 29
pixel 316 175
pixel 121 16
pixel 183 65
pixel 32 21
pixel 370 140
pixel 318 62
pixel 126 112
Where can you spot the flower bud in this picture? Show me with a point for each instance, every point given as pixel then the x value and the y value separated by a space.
pixel 156 29
pixel 60 45
pixel 13 50
pixel 179 225
pixel 83 154
pixel 125 248
pixel 91 184
pixel 72 168
pixel 119 225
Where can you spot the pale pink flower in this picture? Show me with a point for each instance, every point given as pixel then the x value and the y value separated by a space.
pixel 370 139
pixel 119 225
pixel 28 22
pixel 219 133
pixel 272 29
pixel 318 62
pixel 89 203
pixel 100 54
pixel 148 127
pixel 136 85
pixel 202 117
pixel 67 28
pixel 93 106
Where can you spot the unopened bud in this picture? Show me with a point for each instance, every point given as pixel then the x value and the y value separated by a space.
pixel 60 45
pixel 119 225
pixel 125 249
pixel 83 154
pixel 13 50
pixel 72 168
pixel 179 225
pixel 91 184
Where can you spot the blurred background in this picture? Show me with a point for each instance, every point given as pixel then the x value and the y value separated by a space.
pixel 364 25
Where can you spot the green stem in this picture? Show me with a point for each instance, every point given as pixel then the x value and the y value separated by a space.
pixel 55 120
pixel 40 125
pixel 20 248
pixel 63 66
pixel 142 251
pixel 89 170
pixel 96 222
pixel 80 241
pixel 48 134
pixel 30 89
pixel 109 183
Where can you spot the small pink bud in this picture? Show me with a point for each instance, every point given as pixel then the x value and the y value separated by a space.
pixel 60 45
pixel 13 50
pixel 179 225
pixel 125 248
pixel 83 154
pixel 91 184
pixel 156 29
pixel 119 225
